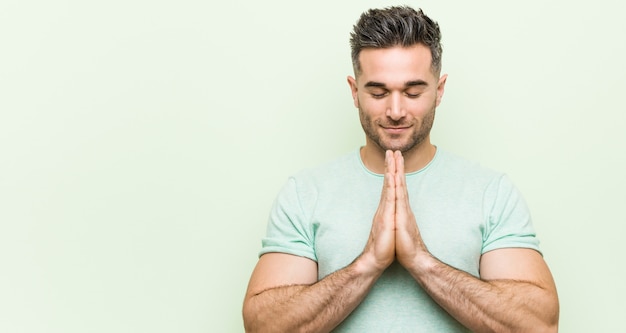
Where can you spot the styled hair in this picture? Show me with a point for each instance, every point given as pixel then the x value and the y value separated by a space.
pixel 395 26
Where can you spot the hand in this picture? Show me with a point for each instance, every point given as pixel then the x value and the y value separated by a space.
pixel 408 241
pixel 380 247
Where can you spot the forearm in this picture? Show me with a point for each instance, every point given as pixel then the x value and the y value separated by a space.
pixel 489 306
pixel 313 308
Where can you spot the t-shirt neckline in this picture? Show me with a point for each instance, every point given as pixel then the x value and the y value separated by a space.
pixel 408 174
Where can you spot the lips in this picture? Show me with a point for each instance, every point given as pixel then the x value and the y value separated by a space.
pixel 395 129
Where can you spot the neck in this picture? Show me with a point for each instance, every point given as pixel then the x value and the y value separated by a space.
pixel 373 157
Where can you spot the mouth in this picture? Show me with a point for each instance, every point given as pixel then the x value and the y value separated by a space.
pixel 395 129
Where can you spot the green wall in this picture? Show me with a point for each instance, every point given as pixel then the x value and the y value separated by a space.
pixel 142 143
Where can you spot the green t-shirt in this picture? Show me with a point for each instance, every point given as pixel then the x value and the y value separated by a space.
pixel 462 209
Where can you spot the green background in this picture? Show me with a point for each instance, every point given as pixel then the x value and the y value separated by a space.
pixel 142 144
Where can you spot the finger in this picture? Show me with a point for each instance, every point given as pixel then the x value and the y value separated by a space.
pixel 401 192
pixel 386 207
pixel 390 163
pixel 388 159
pixel 408 240
pixel 399 162
pixel 381 244
pixel 389 195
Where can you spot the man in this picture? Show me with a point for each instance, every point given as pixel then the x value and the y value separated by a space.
pixel 448 246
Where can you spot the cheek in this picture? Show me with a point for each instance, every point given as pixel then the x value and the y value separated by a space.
pixel 366 117
pixel 423 107
pixel 372 107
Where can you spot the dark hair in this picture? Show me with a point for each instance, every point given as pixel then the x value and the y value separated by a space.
pixel 393 26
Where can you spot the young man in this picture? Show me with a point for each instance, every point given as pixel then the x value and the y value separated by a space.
pixel 448 246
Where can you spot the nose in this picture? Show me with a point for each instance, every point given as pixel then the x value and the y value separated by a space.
pixel 395 108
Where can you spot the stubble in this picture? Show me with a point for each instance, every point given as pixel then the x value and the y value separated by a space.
pixel 421 131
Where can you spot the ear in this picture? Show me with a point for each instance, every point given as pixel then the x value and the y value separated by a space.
pixel 354 89
pixel 441 87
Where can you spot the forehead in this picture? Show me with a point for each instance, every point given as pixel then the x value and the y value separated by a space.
pixel 396 64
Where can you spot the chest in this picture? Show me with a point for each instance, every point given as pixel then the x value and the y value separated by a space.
pixel 451 225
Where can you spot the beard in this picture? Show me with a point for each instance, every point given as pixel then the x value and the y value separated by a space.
pixel 421 131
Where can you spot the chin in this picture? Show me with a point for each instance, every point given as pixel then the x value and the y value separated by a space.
pixel 402 147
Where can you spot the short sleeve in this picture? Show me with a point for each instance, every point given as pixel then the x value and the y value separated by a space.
pixel 288 228
pixel 509 224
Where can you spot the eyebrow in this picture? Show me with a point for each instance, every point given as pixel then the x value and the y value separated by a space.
pixel 406 84
pixel 375 84
pixel 416 83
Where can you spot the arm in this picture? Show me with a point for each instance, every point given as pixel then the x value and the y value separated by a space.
pixel 285 296
pixel 515 293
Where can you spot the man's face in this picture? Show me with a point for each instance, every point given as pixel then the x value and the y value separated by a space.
pixel 396 94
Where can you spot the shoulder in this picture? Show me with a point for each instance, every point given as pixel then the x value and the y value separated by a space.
pixel 457 168
pixel 330 171
pixel 303 190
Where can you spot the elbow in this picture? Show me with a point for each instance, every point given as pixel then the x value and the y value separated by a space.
pixel 249 322
pixel 536 328
pixel 254 319
pixel 553 325
pixel 546 315
pixel 553 329
pixel 549 328
pixel 528 324
pixel 550 325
